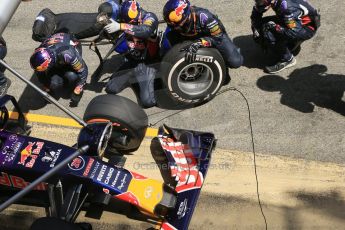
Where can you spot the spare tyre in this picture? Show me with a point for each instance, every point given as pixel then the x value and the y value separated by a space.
pixel 129 121
pixel 192 83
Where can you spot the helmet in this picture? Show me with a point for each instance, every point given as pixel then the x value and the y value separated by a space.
pixel 42 59
pixel 110 8
pixel 130 11
pixel 176 12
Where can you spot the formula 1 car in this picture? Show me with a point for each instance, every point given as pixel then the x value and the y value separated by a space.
pixel 186 84
pixel 114 127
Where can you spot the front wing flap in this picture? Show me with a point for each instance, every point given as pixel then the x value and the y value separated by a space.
pixel 189 154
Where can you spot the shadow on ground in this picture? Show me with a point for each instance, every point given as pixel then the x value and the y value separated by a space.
pixel 322 210
pixel 254 56
pixel 32 100
pixel 308 87
pixel 331 203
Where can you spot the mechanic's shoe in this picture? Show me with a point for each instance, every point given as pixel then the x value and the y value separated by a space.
pixel 75 98
pixel 4 87
pixel 227 78
pixel 281 66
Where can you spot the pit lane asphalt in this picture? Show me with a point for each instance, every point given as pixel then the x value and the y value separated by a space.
pixel 298 113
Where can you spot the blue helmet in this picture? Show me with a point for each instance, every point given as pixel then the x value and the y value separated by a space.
pixel 130 11
pixel 42 59
pixel 176 12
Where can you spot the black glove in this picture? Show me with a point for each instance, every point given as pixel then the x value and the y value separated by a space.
pixel 191 51
pixel 75 98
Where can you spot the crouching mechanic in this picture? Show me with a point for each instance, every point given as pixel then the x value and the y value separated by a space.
pixel 58 62
pixel 140 34
pixel 295 21
pixel 199 25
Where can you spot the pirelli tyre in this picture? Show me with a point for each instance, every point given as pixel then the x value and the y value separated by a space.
pixel 192 83
pixel 129 121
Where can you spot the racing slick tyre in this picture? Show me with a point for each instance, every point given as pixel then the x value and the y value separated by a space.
pixel 129 121
pixel 195 83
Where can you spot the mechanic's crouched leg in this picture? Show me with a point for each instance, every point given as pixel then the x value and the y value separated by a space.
pixel 117 82
pixel 145 78
pixel 231 55
pixel 71 78
pixel 56 82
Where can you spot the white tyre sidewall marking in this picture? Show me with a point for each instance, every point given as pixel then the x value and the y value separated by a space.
pixel 172 70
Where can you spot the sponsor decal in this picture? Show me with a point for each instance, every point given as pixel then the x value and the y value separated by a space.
pixel 51 157
pixel 149 21
pixel 77 164
pixel 123 182
pixel 176 15
pixel 94 170
pixel 18 182
pixel 182 209
pixel 203 19
pixel 30 153
pixel 148 192
pixel 88 167
pixel 67 57
pixel 109 175
pixel 77 65
pixel 106 191
pixel 101 173
pixel 126 26
pixel 133 10
pixel 291 24
pixel 215 30
pixel 203 58
pixel 13 137
pixel 10 149
pixel 116 179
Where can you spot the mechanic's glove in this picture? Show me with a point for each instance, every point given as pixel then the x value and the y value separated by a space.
pixel 113 27
pixel 191 51
pixel 272 26
pixel 76 96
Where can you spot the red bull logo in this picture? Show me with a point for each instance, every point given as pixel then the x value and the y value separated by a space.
pixel 44 66
pixel 25 153
pixel 176 15
pixel 28 151
pixel 133 10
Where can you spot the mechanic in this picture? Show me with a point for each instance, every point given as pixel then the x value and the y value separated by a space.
pixel 4 81
pixel 111 9
pixel 58 62
pixel 140 29
pixel 295 21
pixel 188 22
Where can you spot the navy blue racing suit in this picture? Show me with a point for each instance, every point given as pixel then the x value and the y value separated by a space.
pixel 69 67
pixel 137 70
pixel 295 22
pixel 206 26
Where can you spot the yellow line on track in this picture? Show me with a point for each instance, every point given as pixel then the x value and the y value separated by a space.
pixel 62 121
